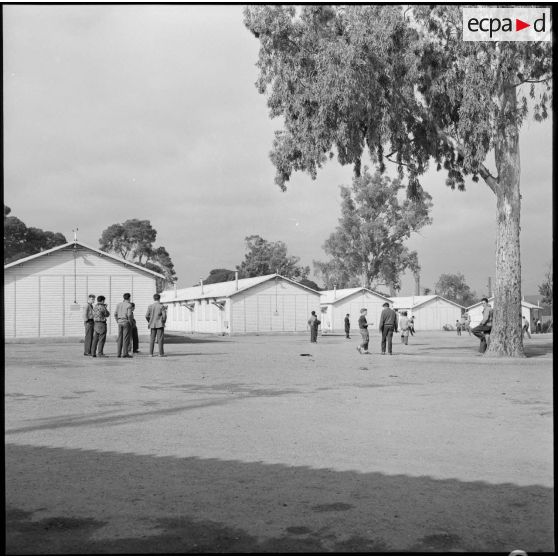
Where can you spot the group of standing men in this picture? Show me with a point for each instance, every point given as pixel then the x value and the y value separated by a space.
pixel 95 321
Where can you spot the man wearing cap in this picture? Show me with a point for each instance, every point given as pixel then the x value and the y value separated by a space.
pixel 388 324
pixel 485 327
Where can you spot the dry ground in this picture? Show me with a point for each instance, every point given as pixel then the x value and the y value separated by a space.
pixel 273 445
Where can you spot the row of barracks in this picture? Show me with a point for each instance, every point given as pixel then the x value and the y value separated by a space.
pixel 44 296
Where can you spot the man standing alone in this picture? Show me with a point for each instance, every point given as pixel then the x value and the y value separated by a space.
pixel 388 324
pixel 124 319
pixel 347 326
pixel 156 317
pixel 89 323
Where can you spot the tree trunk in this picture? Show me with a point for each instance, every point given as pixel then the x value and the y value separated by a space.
pixel 506 338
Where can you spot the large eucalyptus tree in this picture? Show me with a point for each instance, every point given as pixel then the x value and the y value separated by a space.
pixel 401 84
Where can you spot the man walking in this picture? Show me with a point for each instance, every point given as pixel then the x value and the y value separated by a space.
pixel 388 325
pixel 156 317
pixel 363 328
pixel 123 316
pixel 100 315
pixel 485 327
pixel 89 324
pixel 347 326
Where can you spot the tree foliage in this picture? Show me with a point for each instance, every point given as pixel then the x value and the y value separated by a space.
pixel 219 276
pixel 264 258
pixel 545 288
pixel 454 287
pixel 400 85
pixel 133 241
pixel 369 242
pixel 21 241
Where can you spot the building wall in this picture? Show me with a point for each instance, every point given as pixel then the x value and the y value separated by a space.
pixel 433 315
pixel 39 295
pixel 274 306
pixel 333 320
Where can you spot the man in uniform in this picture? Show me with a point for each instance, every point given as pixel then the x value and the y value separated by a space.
pixel 124 318
pixel 156 317
pixel 388 325
pixel 89 324
pixel 100 315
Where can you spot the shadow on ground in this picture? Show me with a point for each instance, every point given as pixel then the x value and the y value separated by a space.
pixel 62 501
pixel 179 338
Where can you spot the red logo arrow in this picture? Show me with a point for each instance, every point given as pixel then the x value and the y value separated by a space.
pixel 519 25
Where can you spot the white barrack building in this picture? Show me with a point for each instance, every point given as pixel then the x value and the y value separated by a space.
pixel 266 304
pixel 336 303
pixel 431 312
pixel 44 294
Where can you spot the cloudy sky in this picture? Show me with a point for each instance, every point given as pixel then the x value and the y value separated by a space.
pixel 150 112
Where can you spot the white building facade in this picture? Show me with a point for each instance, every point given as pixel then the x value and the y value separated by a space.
pixel 431 312
pixel 267 304
pixel 44 294
pixel 337 303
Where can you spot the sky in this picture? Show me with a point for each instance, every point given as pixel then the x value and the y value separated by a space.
pixel 115 112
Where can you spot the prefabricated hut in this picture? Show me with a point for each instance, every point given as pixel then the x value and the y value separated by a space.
pixel 431 312
pixel 266 304
pixel 528 310
pixel 336 303
pixel 44 294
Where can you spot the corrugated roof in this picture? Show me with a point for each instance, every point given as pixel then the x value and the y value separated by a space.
pixel 71 244
pixel 414 301
pixel 331 296
pixel 222 290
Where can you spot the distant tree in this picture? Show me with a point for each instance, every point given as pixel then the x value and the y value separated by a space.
pixel 310 284
pixel 367 247
pixel 264 258
pixel 21 241
pixel 400 84
pixel 219 276
pixel 453 287
pixel 546 287
pixel 133 241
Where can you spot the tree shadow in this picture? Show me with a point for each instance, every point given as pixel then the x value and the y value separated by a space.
pixel 177 338
pixel 67 501
pixel 533 350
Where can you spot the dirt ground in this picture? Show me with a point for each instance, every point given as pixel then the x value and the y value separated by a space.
pixel 272 445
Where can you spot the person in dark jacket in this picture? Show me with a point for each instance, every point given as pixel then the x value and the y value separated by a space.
pixel 347 326
pixel 388 325
pixel 363 328
pixel 89 324
pixel 313 322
